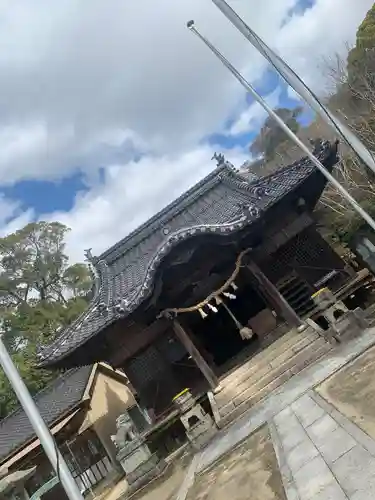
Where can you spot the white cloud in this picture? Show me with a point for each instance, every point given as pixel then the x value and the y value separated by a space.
pixel 17 222
pixel 252 117
pixel 323 31
pixel 308 42
pixel 89 85
pixel 8 209
pixel 133 193
pixel 74 73
pixel 12 217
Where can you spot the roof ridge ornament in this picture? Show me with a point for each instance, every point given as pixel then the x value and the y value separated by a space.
pixel 88 255
pixel 221 161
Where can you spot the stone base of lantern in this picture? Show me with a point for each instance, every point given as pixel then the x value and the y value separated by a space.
pixel 349 325
pixel 334 312
pixel 343 323
pixel 199 425
pixel 139 464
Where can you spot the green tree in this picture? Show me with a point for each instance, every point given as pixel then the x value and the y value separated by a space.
pixel 361 64
pixel 33 266
pixel 366 32
pixel 271 137
pixel 40 294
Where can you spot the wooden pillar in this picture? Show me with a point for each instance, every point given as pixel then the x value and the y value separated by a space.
pixel 202 364
pixel 276 299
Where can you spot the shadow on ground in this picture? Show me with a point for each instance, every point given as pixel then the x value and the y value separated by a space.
pixel 249 471
pixel 167 485
pixel 351 390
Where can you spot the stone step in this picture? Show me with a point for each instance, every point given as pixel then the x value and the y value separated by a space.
pixel 240 402
pixel 278 344
pixel 235 409
pixel 266 374
pixel 270 358
pixel 265 354
pixel 293 365
pixel 267 371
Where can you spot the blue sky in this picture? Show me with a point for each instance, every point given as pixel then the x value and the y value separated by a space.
pixel 100 127
pixel 47 196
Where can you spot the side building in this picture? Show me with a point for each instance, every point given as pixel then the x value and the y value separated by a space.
pixel 80 407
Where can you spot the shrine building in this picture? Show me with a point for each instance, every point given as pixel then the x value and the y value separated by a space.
pixel 207 283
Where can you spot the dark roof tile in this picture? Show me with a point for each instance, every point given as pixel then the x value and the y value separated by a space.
pixel 53 402
pixel 125 272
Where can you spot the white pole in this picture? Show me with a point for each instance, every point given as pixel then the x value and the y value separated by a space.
pixel 297 84
pixel 38 424
pixel 284 127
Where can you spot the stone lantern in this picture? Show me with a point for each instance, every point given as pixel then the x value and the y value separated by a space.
pixel 199 425
pixel 342 322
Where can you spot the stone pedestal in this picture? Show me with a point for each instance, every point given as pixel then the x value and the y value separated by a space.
pixel 331 308
pixel 199 425
pixel 139 464
pixel 349 325
pixel 335 312
pixel 343 323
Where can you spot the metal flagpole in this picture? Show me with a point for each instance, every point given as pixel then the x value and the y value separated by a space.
pixel 297 84
pixel 38 424
pixel 357 207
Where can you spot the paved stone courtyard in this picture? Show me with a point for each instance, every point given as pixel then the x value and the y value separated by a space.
pixel 312 438
pixel 251 467
pixel 322 444
pixel 352 391
pixel 166 487
pixel 322 455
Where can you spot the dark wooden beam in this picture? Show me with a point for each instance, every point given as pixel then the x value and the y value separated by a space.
pixel 189 345
pixel 281 232
pixel 276 299
pixel 129 338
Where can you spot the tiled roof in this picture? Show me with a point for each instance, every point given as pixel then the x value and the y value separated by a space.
pixel 222 203
pixel 53 402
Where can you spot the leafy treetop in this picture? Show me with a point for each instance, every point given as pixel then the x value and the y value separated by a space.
pixel 40 294
pixel 271 137
pixel 361 57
